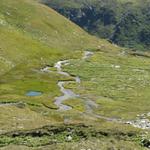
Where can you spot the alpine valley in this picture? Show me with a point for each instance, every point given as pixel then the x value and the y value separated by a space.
pixel 62 88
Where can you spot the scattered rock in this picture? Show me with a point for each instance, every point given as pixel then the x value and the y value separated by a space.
pixel 8 13
pixel 128 122
pixel 69 138
pixel 140 123
pixel 2 22
pixel 115 66
pixel 46 69
pixel 146 143
pixel 87 54
pixel 148 114
pixel 138 70
pixel 21 105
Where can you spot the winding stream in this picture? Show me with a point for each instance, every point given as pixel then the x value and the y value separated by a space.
pixel 67 93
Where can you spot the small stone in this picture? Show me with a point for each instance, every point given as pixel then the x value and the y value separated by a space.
pixel 148 114
pixel 69 138
pixel 128 122
pixel 115 66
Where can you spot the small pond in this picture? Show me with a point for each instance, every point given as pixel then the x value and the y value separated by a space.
pixel 34 93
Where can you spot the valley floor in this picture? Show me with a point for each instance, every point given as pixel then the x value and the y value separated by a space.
pixel 97 100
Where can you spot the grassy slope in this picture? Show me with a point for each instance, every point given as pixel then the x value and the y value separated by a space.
pixel 32 36
pixel 37 34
